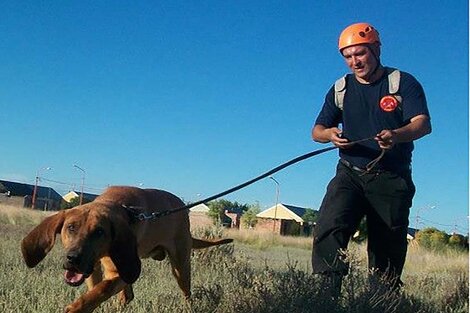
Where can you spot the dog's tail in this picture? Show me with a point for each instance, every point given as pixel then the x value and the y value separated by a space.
pixel 201 244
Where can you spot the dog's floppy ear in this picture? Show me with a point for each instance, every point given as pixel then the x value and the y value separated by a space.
pixel 37 244
pixel 123 251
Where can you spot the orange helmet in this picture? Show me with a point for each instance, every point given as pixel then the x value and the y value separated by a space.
pixel 356 34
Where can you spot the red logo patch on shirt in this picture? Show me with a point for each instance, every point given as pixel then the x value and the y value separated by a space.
pixel 388 103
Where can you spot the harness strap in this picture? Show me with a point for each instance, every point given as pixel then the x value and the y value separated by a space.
pixel 393 87
pixel 394 84
pixel 340 90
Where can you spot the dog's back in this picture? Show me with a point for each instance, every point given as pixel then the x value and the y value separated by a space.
pixel 160 232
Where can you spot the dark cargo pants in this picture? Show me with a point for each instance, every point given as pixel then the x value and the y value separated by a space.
pixel 385 199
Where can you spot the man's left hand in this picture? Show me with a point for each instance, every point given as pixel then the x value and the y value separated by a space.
pixel 386 139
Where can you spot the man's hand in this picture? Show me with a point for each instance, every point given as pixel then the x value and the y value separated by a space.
pixel 418 127
pixel 322 134
pixel 386 139
pixel 336 138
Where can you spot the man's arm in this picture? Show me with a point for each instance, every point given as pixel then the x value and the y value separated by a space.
pixel 418 127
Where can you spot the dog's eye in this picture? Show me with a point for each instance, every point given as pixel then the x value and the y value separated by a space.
pixel 99 232
pixel 71 227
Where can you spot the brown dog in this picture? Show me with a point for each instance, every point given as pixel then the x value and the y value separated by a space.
pixel 104 243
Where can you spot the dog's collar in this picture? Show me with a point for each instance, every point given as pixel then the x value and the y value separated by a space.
pixel 134 212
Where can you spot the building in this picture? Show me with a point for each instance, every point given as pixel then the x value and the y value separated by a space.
pixel 87 197
pixel 233 217
pixel 284 219
pixel 21 195
pixel 198 216
pixel 411 234
pixel 200 208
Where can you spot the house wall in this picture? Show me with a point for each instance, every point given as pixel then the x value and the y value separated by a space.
pixel 283 227
pixel 268 225
pixel 199 220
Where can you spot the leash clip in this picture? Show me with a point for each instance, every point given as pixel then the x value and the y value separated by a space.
pixel 154 215
pixel 141 217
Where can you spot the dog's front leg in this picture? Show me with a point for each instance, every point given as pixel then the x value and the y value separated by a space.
pixel 94 297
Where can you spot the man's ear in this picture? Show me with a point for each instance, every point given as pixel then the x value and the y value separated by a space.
pixel 375 48
pixel 123 251
pixel 37 244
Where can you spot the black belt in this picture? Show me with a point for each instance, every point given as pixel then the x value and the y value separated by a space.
pixel 364 171
pixel 354 167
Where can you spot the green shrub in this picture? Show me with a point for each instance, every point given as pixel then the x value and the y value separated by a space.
pixel 457 241
pixel 432 238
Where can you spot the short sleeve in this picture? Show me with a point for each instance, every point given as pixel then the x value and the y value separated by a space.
pixel 414 100
pixel 330 115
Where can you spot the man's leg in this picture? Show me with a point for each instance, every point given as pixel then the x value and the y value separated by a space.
pixel 340 214
pixel 390 197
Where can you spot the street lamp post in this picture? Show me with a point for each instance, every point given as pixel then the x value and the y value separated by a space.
pixel 83 181
pixel 277 202
pixel 36 182
pixel 418 216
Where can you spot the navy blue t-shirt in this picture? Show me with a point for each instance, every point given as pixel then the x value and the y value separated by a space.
pixel 362 117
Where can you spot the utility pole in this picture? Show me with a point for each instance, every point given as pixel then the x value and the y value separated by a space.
pixel 418 216
pixel 83 181
pixel 277 202
pixel 35 190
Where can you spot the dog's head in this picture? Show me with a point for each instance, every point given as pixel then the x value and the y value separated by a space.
pixel 89 233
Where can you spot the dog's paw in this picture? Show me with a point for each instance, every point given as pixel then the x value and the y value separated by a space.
pixel 126 295
pixel 76 307
pixel 70 309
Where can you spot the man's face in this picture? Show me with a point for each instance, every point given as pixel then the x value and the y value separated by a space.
pixel 361 61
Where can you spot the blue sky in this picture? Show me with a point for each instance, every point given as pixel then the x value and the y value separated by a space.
pixel 196 97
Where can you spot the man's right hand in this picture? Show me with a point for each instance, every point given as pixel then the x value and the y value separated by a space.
pixel 337 139
pixel 322 134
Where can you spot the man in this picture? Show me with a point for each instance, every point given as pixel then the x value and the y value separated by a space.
pixel 381 111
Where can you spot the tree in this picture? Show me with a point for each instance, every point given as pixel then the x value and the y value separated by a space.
pixel 72 203
pixel 432 238
pixel 217 210
pixel 249 219
pixel 310 216
pixel 457 241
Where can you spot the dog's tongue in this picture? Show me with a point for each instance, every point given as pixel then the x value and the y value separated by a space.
pixel 73 278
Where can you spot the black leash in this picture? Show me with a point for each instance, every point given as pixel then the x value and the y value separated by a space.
pixel 150 216
pixel 154 215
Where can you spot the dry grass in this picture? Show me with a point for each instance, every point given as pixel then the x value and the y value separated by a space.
pixel 421 261
pixel 21 216
pixel 260 273
pixel 266 240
